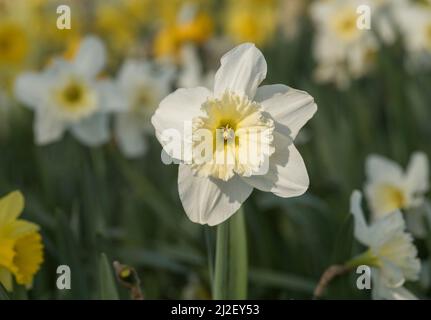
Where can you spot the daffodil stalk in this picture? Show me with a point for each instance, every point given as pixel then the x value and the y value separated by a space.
pixel 230 279
pixel 366 258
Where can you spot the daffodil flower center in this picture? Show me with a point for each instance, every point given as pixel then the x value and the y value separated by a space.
pixel 74 98
pixel 5 44
pixel 143 99
pixel 13 43
pixel 73 93
pixel 390 198
pixel 228 133
pixel 234 136
pixel 344 24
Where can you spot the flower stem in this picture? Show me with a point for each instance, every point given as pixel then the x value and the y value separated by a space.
pixel 366 258
pixel 230 279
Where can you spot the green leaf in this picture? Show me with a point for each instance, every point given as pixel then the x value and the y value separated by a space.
pixel 230 279
pixel 3 293
pixel 282 280
pixel 344 243
pixel 107 286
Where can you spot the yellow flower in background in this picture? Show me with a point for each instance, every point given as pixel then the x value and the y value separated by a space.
pixel 191 25
pixel 113 23
pixel 253 21
pixel 13 43
pixel 21 248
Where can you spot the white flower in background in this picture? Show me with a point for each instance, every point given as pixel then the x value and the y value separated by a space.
pixel 391 255
pixel 192 73
pixel 67 96
pixel 389 187
pixel 141 86
pixel 342 50
pixel 212 191
pixel 414 20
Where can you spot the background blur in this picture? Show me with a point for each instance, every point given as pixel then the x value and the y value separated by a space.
pixel 93 200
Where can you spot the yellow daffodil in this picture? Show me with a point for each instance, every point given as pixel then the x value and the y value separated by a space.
pixel 253 21
pixel 190 26
pixel 21 248
pixel 13 43
pixel 114 24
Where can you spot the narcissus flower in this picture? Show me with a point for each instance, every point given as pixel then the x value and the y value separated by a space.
pixel 235 114
pixel 250 20
pixel 389 187
pixel 342 49
pixel 13 44
pixel 21 249
pixel 191 25
pixel 67 96
pixel 391 254
pixel 141 86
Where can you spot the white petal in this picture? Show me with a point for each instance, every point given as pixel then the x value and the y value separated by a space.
pixel 47 128
pixel 392 275
pixel 29 88
pixel 176 109
pixel 385 228
pixel 417 173
pixel 92 131
pixel 91 57
pixel 379 168
pixel 129 133
pixel 191 72
pixel 210 201
pixel 133 71
pixel 111 97
pixel 361 229
pixel 381 291
pixel 290 108
pixel 242 70
pixel 287 175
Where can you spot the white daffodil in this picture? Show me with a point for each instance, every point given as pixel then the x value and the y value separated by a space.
pixel 389 188
pixel 414 20
pixel 343 48
pixel 236 114
pixel 67 96
pixel 391 255
pixel 141 86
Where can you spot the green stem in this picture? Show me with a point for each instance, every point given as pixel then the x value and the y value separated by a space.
pixel 366 258
pixel 230 279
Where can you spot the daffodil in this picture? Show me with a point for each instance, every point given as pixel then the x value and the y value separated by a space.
pixel 14 43
pixel 141 86
pixel 21 248
pixel 251 20
pixel 391 253
pixel 414 20
pixel 68 96
pixel 342 50
pixel 237 113
pixel 192 25
pixel 115 23
pixel 389 187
